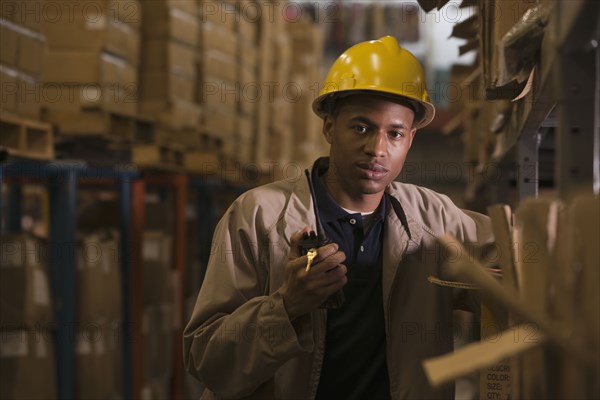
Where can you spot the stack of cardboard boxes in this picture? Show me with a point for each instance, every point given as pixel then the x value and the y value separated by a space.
pixel 218 74
pixel 307 48
pixel 91 65
pixel 275 111
pixel 22 53
pixel 21 61
pixel 158 319
pixel 168 69
pixel 98 331
pixel 288 135
pixel 250 91
pixel 27 362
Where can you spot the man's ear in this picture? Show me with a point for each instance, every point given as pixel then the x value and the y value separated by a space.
pixel 412 136
pixel 328 123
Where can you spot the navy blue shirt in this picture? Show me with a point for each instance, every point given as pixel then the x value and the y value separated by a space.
pixel 354 366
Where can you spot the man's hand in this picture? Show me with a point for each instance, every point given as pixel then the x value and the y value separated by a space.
pixel 304 291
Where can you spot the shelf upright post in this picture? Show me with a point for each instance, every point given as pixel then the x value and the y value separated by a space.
pixel 576 80
pixel 134 305
pixel 1 198
pixel 528 165
pixel 180 256
pixel 15 202
pixel 63 191
pixel 125 206
pixel 205 208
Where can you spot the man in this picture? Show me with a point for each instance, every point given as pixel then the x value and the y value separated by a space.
pixel 258 331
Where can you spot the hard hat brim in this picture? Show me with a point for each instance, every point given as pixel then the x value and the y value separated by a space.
pixel 428 109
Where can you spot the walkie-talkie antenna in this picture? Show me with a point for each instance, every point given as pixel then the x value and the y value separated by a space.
pixel 320 230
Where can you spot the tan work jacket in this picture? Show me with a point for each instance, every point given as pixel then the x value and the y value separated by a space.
pixel 240 342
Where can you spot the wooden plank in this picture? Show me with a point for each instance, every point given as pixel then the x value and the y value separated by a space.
pixel 535 235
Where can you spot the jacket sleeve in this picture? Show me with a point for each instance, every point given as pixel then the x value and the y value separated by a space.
pixel 239 334
pixel 473 229
pixel 477 237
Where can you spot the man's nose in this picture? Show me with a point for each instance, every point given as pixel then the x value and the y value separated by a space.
pixel 376 144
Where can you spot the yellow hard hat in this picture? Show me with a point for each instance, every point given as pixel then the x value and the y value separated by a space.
pixel 378 66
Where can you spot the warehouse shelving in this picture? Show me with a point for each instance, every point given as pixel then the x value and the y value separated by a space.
pixel 62 179
pixel 560 98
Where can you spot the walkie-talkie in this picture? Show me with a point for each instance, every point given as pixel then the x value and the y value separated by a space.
pixel 314 240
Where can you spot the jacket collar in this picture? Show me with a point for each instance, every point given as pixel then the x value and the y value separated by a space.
pixel 300 211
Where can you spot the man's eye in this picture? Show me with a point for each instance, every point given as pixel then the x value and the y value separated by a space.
pixel 396 134
pixel 360 129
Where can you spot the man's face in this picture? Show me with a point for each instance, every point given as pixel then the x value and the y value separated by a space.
pixel 370 137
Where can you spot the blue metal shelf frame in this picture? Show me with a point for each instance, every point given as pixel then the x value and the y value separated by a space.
pixel 206 209
pixel 62 182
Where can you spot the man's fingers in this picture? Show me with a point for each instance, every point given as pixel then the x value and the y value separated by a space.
pixel 295 240
pixel 329 262
pixel 326 251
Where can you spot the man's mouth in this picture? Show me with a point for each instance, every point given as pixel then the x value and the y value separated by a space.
pixel 372 170
pixel 374 167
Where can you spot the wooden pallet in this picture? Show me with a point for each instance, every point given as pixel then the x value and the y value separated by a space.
pixel 27 138
pixel 191 139
pixel 97 150
pixel 158 156
pixel 203 162
pixel 99 122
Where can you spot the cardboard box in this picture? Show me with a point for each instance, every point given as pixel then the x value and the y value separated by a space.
pixel 8 43
pixel 244 151
pixel 27 365
pixel 500 16
pixel 250 90
pixel 249 56
pixel 8 89
pixel 220 122
pixel 157 256
pixel 217 12
pixel 157 333
pixel 76 32
pixel 162 21
pixel 97 360
pixel 169 55
pixel 247 29
pixel 24 284
pixel 99 278
pixel 220 65
pixel 156 388
pixel 187 6
pixel 88 67
pixel 160 84
pixel 26 13
pixel 76 97
pixel 32 47
pixel 246 128
pixel 172 113
pixel 215 93
pixel 21 48
pixel 201 161
pixel 215 36
pixel 127 11
pixel 29 98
